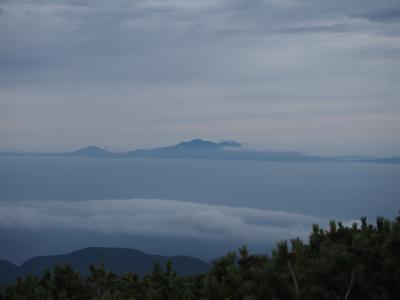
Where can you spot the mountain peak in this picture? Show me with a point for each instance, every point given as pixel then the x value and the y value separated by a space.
pixel 91 150
pixel 195 143
pixel 118 260
pixel 199 143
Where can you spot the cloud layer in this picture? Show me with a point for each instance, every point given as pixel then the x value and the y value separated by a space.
pixel 157 218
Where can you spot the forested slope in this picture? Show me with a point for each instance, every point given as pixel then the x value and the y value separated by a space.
pixel 357 262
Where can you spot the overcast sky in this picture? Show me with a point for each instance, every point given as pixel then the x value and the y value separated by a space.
pixel 309 75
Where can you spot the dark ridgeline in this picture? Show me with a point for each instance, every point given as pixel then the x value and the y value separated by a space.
pixel 91 151
pixel 357 262
pixel 8 272
pixel 117 260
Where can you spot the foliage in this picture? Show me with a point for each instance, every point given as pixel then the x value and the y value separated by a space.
pixel 356 262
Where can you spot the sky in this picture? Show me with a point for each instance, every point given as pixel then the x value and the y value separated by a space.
pixel 314 76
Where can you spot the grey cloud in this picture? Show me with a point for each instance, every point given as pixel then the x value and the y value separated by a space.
pixel 318 29
pixel 139 40
pixel 158 218
pixel 387 15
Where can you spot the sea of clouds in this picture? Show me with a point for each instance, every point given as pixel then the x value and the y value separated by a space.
pixel 157 218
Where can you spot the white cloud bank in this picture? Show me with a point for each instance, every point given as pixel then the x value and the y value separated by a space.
pixel 158 218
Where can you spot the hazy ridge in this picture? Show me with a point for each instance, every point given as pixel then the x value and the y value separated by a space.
pixel 202 149
pixel 118 260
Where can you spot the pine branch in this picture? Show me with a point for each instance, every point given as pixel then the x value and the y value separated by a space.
pixel 294 280
pixel 346 296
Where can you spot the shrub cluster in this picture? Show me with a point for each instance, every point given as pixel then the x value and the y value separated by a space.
pixel 361 261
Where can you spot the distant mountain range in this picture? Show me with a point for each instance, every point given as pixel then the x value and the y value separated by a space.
pixel 196 148
pixel 201 149
pixel 118 260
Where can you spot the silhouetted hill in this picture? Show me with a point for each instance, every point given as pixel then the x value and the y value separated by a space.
pixel 118 260
pixel 8 271
pixel 196 148
pixel 91 151
pixel 201 144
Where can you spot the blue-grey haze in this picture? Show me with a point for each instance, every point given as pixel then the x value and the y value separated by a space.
pixel 327 189
pixel 206 207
